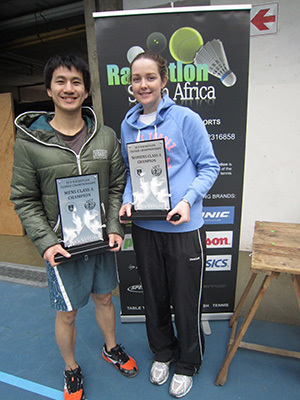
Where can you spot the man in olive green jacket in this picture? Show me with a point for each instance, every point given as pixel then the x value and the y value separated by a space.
pixel 66 143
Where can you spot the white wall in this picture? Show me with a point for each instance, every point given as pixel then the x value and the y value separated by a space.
pixel 272 167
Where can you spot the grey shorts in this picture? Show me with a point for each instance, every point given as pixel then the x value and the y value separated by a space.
pixel 71 283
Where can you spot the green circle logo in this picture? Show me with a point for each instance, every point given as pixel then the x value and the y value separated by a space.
pixel 184 44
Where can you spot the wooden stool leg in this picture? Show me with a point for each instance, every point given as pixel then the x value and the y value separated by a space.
pixel 242 299
pixel 222 375
pixel 295 280
pixel 229 346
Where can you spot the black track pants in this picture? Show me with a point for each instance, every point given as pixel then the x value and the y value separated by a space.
pixel 171 267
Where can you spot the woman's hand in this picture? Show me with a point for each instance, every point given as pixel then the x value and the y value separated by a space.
pixel 125 210
pixel 183 209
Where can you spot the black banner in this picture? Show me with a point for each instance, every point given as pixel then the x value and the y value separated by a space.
pixel 207 49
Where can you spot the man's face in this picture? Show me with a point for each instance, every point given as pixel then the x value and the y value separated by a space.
pixel 67 89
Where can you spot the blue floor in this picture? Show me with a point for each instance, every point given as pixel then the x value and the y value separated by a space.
pixel 31 367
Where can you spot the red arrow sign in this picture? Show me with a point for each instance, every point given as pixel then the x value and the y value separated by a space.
pixel 260 19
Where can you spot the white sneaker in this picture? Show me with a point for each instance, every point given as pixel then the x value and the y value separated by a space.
pixel 180 385
pixel 159 372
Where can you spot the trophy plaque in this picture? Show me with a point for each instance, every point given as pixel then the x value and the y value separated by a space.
pixel 80 216
pixel 149 181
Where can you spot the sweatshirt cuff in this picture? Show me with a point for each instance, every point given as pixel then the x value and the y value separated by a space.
pixel 190 198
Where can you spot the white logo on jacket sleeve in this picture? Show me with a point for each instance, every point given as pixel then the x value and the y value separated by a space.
pixel 100 154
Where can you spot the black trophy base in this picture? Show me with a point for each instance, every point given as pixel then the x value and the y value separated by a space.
pixel 149 215
pixel 84 249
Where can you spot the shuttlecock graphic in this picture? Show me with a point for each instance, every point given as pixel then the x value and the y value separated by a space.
pixel 213 54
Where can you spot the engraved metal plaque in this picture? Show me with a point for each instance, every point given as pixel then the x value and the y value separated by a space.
pixel 149 180
pixel 80 215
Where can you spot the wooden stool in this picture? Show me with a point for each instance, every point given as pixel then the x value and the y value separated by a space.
pixel 276 250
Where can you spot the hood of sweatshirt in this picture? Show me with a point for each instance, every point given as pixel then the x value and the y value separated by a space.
pixel 164 107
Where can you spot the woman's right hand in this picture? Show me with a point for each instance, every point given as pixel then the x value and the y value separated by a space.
pixel 125 210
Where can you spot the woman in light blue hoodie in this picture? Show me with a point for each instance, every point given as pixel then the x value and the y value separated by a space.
pixel 171 253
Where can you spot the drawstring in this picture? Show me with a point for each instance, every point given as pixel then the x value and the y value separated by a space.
pixel 138 139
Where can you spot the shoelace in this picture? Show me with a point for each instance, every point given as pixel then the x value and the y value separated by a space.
pixel 118 351
pixel 179 380
pixel 73 380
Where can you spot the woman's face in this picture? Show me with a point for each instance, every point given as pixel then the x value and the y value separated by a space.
pixel 147 83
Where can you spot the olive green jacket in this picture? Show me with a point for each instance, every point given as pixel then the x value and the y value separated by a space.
pixel 40 157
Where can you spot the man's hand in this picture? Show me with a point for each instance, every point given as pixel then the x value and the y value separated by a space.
pixel 125 210
pixel 51 251
pixel 115 238
pixel 183 209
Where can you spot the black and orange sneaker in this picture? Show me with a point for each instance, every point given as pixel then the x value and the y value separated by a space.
pixel 124 363
pixel 73 389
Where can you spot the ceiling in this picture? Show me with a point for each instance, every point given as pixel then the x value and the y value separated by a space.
pixel 30 33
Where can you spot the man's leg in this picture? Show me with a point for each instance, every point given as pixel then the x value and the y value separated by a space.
pixel 105 317
pixel 65 333
pixel 112 352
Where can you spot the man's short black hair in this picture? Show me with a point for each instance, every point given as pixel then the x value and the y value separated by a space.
pixel 69 61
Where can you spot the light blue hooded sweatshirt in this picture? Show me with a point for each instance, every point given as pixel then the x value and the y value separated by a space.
pixel 192 165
